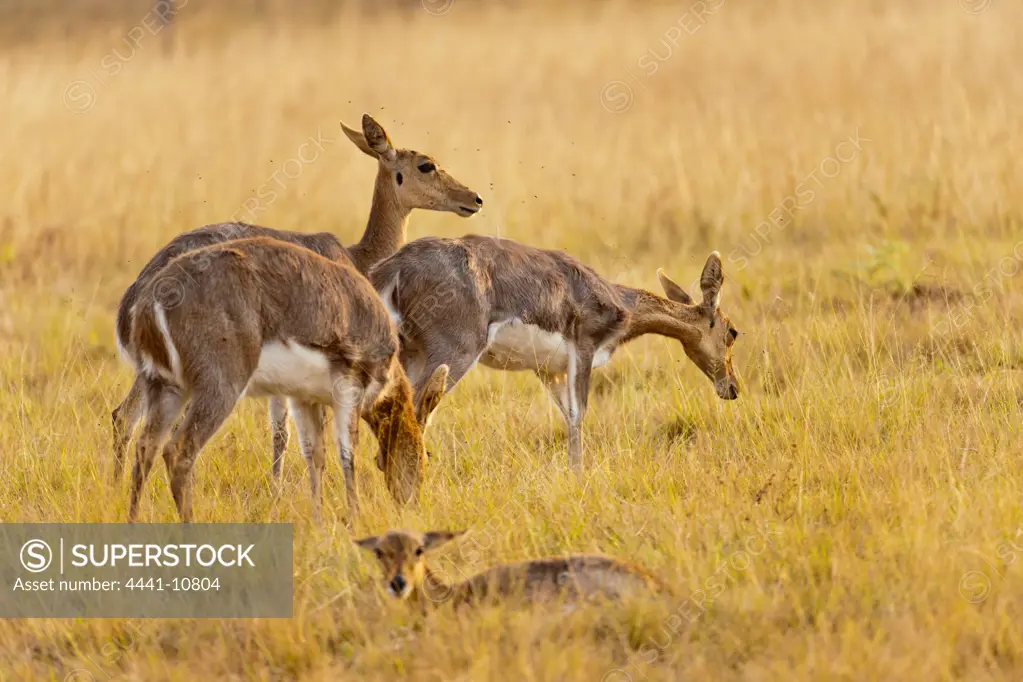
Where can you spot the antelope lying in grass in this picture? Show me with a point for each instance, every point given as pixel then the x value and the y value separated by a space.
pixel 514 307
pixel 263 317
pixel 402 556
pixel 406 180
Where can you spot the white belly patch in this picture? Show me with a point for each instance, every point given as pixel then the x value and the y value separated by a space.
pixel 515 345
pixel 603 355
pixel 291 369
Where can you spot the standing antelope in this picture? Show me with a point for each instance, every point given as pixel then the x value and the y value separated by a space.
pixel 264 317
pixel 406 180
pixel 514 307
pixel 580 576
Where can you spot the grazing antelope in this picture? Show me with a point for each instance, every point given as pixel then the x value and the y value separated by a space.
pixel 263 317
pixel 402 556
pixel 406 180
pixel 514 307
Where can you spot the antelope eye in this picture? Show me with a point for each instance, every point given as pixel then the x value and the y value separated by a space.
pixel 380 555
pixel 426 167
pixel 419 551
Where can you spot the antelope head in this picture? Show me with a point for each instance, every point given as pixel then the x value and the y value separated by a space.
pixel 710 347
pixel 402 558
pixel 417 180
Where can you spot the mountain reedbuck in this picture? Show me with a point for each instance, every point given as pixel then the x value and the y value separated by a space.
pixel 406 575
pixel 262 317
pixel 514 307
pixel 406 180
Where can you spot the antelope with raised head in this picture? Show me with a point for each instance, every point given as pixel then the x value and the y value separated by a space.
pixel 515 307
pixel 406 180
pixel 263 317
pixel 402 556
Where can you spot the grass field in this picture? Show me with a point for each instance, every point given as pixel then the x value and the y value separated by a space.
pixel 855 163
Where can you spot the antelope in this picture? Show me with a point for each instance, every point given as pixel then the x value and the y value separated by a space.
pixel 406 180
pixel 514 307
pixel 262 317
pixel 402 556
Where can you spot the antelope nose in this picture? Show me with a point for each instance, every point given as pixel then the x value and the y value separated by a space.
pixel 398 584
pixel 733 391
pixel 479 200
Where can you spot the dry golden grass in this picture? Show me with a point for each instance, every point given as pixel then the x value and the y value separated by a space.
pixel 878 435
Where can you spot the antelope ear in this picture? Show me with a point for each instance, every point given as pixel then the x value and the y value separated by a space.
pixel 711 280
pixel 377 138
pixel 358 139
pixel 673 291
pixel 369 543
pixel 436 538
pixel 433 393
